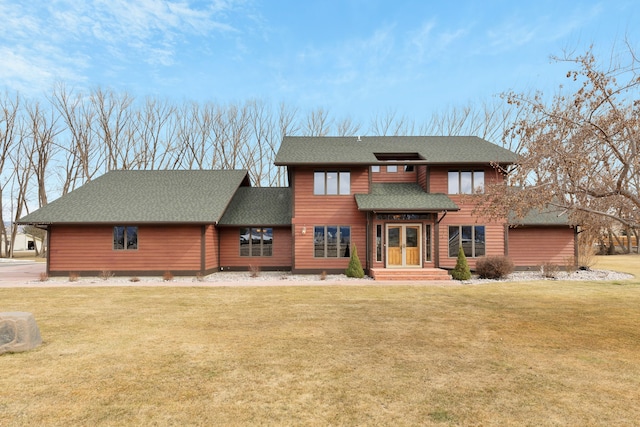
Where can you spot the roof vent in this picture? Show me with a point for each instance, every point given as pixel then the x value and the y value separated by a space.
pixel 359 140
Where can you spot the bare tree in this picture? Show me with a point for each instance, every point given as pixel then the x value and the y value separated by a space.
pixel 389 124
pixel 43 131
pixel 20 158
pixel 9 108
pixel 78 117
pixel 156 132
pixel 347 127
pixel 114 127
pixel 581 149
pixel 487 120
pixel 317 123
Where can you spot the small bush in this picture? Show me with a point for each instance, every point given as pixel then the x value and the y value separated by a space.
pixel 355 267
pixel 494 267
pixel 323 275
pixel 134 279
pixel 105 274
pixel 200 276
pixel 461 270
pixel 254 271
pixel 549 270
pixel 44 277
pixel 167 276
pixel 74 277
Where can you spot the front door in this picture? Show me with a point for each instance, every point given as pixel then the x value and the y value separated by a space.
pixel 403 245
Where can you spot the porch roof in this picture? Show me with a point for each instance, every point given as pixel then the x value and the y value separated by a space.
pixel 403 197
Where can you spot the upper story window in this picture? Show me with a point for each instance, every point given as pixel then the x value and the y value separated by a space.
pixel 375 169
pixel 392 168
pixel 466 182
pixel 331 183
pixel 125 237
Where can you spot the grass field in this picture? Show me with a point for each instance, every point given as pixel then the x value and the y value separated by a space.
pixel 527 353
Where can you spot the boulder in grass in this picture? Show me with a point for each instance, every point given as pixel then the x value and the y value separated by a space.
pixel 18 332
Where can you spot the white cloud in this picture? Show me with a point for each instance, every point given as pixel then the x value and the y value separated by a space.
pixel 45 41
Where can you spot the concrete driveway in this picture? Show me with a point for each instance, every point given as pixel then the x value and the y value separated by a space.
pixel 14 272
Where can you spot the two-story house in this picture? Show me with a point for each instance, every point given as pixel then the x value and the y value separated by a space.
pixel 402 201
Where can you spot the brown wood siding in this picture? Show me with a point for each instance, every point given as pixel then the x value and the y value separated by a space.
pixel 211 248
pixel 311 210
pixel 400 176
pixel 230 250
pixel 494 232
pixel 422 177
pixel 90 248
pixel 532 247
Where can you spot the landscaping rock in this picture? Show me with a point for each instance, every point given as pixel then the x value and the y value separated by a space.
pixel 18 332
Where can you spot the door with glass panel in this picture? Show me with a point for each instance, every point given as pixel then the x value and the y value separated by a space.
pixel 403 245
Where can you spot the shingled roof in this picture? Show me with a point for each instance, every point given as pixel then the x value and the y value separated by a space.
pixel 265 206
pixel 405 197
pixel 541 217
pixel 194 196
pixel 381 150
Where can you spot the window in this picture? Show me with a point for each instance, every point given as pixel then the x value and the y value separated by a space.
pixel 256 241
pixel 408 168
pixel 331 183
pixel 392 168
pixel 125 238
pixel 379 243
pixel 470 237
pixel 466 182
pixel 375 169
pixel 427 242
pixel 331 241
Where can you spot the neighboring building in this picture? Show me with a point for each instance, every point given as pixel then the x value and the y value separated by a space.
pixel 23 242
pixel 400 200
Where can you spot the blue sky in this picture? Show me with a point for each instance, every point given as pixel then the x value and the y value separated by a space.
pixel 355 58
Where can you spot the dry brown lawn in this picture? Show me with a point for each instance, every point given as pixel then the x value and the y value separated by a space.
pixel 538 353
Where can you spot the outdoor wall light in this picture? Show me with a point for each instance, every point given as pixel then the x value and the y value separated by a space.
pixel 304 230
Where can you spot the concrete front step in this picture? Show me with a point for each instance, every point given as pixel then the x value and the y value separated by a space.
pixel 409 274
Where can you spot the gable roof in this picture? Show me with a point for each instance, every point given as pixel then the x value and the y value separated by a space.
pixel 259 206
pixel 403 197
pixel 362 150
pixel 118 197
